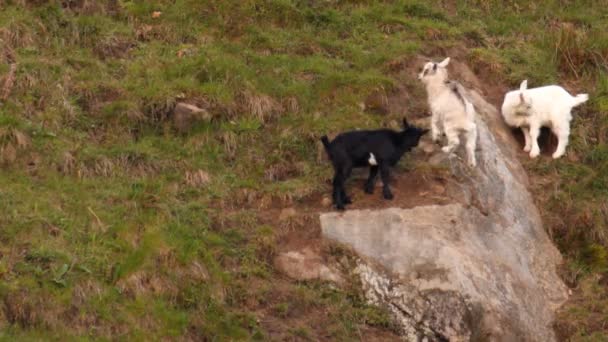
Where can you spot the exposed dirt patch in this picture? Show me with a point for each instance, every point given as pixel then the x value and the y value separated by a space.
pixel 411 188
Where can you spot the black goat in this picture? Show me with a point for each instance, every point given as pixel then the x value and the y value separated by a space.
pixel 379 149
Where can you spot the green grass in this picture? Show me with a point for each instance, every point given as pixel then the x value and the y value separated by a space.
pixel 99 226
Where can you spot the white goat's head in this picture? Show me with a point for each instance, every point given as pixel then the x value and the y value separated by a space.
pixel 433 72
pixel 524 105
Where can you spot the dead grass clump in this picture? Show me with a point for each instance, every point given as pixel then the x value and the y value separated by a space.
pixel 291 104
pixel 575 50
pixel 144 33
pixel 113 47
pixel 9 81
pixel 12 142
pixel 91 7
pixel 229 141
pixel 245 198
pixel 260 106
pixel 132 164
pixel 68 163
pixel 16 35
pixel 19 308
pixel 159 111
pixel 85 291
pixel 196 271
pixel 141 283
pixel 283 170
pixel 196 179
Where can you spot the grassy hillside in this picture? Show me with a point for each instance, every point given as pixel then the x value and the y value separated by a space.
pixel 114 225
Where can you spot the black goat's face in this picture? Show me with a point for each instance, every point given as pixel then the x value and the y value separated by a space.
pixel 411 136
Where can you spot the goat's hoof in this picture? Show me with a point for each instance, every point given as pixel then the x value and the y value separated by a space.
pixel 340 207
pixel 534 154
pixel 369 189
pixel 527 149
pixel 388 196
pixel 347 200
pixel 557 155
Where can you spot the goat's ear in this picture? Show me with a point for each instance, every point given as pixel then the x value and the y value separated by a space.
pixel 445 62
pixel 405 124
pixel 524 85
pixel 521 98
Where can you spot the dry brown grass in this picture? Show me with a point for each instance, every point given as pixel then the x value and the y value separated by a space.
pixel 9 81
pixel 19 308
pixel 142 283
pixel 13 143
pixel 574 52
pixel 283 170
pixel 113 47
pixel 196 179
pixel 102 166
pixel 229 142
pixel 16 35
pixel 260 106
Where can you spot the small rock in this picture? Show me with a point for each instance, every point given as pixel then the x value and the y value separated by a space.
pixel 426 147
pixel 305 265
pixel 185 115
pixel 439 158
pixel 326 202
pixel 287 213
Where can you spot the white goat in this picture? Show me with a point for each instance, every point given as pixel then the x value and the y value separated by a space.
pixel 548 106
pixel 449 109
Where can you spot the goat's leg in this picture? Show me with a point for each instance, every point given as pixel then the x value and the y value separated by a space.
pixel 435 131
pixel 371 180
pixel 534 133
pixel 347 171
pixel 385 175
pixel 453 141
pixel 471 136
pixel 562 134
pixel 337 189
pixel 526 132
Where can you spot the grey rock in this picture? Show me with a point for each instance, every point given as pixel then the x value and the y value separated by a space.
pixel 306 265
pixel 481 268
pixel 185 115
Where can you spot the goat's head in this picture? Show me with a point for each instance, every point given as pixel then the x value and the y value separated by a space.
pixel 410 136
pixel 432 71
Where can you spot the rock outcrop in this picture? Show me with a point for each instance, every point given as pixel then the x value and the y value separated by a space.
pixel 481 268
pixel 185 115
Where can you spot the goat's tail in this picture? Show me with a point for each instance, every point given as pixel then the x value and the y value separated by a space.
pixel 579 99
pixel 325 142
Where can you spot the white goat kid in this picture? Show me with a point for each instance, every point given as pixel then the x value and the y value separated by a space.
pixel 548 106
pixel 450 110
